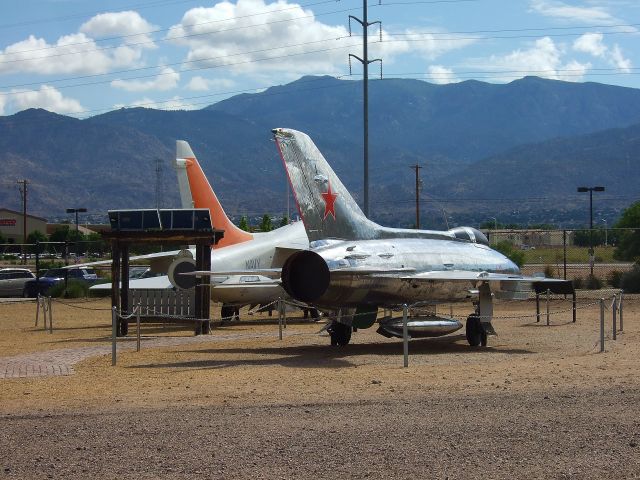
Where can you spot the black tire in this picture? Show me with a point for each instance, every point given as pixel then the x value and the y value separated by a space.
pixel 206 327
pixel 25 293
pixel 315 314
pixel 474 331
pixel 340 334
pixel 227 312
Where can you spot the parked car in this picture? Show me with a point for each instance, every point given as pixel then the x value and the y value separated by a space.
pixel 57 275
pixel 13 280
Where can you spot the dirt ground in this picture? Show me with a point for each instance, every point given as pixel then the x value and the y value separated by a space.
pixel 539 402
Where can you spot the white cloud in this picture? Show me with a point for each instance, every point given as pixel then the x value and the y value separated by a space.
pixel 201 84
pixel 167 79
pixel 113 24
pixel 175 103
pixel 544 59
pixel 564 11
pixel 617 59
pixel 441 75
pixel 429 45
pixel 592 43
pixel 224 33
pixel 78 53
pixel 46 97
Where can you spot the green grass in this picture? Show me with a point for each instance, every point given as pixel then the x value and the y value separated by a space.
pixel 554 255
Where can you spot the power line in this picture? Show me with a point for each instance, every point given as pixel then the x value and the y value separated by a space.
pixel 140 34
pixel 220 57
pixel 72 16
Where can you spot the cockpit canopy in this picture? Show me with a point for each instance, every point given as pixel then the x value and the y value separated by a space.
pixel 470 234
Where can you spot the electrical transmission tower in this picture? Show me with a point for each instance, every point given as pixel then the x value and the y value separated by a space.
pixel 365 82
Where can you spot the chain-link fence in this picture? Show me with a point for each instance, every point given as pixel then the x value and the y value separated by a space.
pixel 591 258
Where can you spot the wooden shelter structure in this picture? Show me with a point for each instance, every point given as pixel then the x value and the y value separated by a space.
pixel 125 233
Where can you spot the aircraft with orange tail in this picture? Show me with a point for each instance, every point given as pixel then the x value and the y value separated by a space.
pixel 236 251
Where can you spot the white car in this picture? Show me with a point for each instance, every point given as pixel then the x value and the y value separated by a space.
pixel 12 281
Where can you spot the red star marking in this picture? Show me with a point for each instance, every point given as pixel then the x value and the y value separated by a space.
pixel 329 203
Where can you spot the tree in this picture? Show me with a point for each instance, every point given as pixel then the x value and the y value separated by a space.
pixel 284 221
pixel 60 234
pixel 243 225
pixel 266 225
pixel 628 241
pixel 34 237
pixel 507 248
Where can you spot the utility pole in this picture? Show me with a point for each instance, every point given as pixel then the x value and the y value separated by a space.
pixel 23 191
pixel 417 168
pixel 365 83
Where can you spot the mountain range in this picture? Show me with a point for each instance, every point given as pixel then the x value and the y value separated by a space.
pixel 515 151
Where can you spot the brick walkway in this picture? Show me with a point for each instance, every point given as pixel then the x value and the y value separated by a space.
pixel 61 362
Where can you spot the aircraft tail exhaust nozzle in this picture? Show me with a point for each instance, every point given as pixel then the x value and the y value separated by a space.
pixel 305 276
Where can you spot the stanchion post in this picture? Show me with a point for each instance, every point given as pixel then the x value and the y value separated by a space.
pixel 280 318
pixel 37 308
pixel 601 325
pixel 614 310
pixel 620 310
pixel 114 329
pixel 537 307
pixel 138 327
pixel 405 335
pixel 575 306
pixel 50 316
pixel 548 313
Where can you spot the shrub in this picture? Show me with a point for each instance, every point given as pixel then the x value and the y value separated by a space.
pixel 548 271
pixel 593 283
pixel 75 289
pixel 615 278
pixel 509 250
pixel 578 283
pixel 630 281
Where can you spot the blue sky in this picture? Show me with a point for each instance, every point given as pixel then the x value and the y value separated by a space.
pixel 83 58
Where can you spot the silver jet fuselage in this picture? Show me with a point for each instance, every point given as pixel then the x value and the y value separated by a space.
pixel 351 273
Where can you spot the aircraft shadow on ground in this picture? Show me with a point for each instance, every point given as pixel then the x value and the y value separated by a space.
pixel 326 356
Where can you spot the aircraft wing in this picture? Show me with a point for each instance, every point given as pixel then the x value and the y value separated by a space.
pixel 272 273
pixel 149 256
pixel 539 284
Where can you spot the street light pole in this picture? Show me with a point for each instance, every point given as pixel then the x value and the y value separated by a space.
pixel 590 190
pixel 76 211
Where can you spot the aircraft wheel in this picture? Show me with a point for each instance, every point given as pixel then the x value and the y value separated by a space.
pixel 315 314
pixel 340 334
pixel 227 312
pixel 474 331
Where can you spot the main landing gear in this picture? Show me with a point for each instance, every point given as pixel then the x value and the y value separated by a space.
pixel 476 334
pixel 340 334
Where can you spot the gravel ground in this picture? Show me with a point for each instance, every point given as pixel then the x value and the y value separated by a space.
pixel 540 402
pixel 569 434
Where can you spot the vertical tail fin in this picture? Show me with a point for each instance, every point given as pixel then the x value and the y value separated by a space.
pixel 196 192
pixel 325 205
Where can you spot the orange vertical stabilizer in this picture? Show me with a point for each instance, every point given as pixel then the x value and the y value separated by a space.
pixel 203 196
